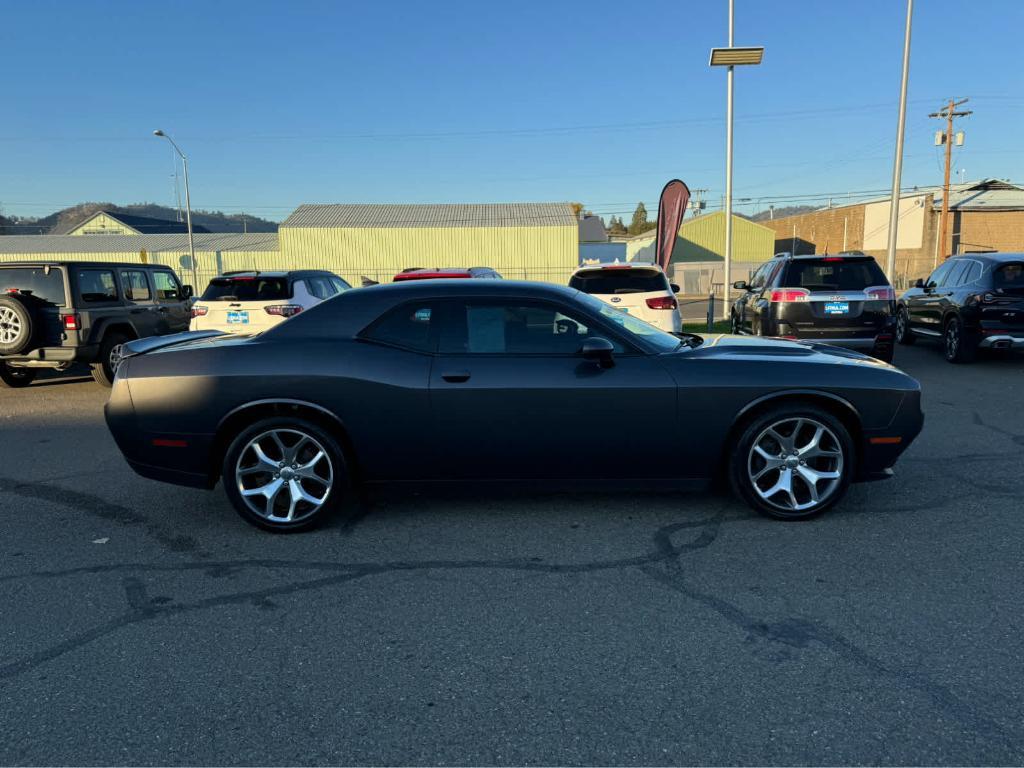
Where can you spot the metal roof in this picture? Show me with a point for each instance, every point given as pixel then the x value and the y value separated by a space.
pixel 57 244
pixel 984 195
pixel 389 216
pixel 143 224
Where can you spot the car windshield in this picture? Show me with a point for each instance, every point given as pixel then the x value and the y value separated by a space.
pixel 246 288
pixel 828 275
pixel 34 280
pixel 613 280
pixel 665 342
pixel 1009 278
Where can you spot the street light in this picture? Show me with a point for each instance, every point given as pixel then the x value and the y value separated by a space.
pixel 188 207
pixel 731 57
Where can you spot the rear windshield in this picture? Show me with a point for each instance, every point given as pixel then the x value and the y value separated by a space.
pixel 606 281
pixel 822 275
pixel 246 289
pixel 34 280
pixel 1009 278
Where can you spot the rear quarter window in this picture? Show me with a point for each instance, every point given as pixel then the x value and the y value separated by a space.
pixel 97 285
pixel 845 275
pixel 34 280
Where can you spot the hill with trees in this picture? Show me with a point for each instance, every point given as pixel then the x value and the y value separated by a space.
pixel 68 218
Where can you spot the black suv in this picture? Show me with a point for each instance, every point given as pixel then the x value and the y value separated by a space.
pixel 56 313
pixel 970 302
pixel 844 300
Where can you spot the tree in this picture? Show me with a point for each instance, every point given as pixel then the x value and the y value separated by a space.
pixel 576 209
pixel 616 227
pixel 639 223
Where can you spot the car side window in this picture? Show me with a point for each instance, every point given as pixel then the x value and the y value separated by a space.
pixel 757 279
pixel 340 285
pixel 772 273
pixel 954 275
pixel 971 274
pixel 409 326
pixel 96 285
pixel 318 287
pixel 491 328
pixel 167 286
pixel 939 275
pixel 135 284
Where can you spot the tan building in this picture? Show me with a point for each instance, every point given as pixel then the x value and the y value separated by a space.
pixel 984 216
pixel 116 223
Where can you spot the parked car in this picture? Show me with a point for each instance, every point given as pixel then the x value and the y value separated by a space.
pixel 522 383
pixel 970 302
pixel 57 313
pixel 641 290
pixel 419 273
pixel 252 302
pixel 843 299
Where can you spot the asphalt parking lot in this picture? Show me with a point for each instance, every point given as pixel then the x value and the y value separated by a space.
pixel 148 624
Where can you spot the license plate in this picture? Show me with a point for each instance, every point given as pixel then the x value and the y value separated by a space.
pixel 837 307
pixel 238 318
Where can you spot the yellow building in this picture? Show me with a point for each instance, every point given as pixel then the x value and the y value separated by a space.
pixel 116 223
pixel 526 241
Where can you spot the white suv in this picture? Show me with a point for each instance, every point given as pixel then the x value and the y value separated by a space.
pixel 251 302
pixel 641 290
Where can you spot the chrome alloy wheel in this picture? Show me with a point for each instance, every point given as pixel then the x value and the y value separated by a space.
pixel 952 339
pixel 284 475
pixel 901 325
pixel 795 464
pixel 116 352
pixel 10 325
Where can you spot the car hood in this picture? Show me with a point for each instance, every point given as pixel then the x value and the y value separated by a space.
pixel 747 347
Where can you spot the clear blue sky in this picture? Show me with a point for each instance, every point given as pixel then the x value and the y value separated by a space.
pixel 279 103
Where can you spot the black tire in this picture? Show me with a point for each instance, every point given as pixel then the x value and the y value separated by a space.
pixel 105 368
pixel 17 325
pixel 885 353
pixel 734 324
pixel 903 333
pixel 957 347
pixel 15 378
pixel 837 456
pixel 241 456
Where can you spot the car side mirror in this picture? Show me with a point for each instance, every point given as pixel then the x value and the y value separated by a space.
pixel 598 350
pixel 187 292
pixel 740 285
pixel 675 288
pixel 919 283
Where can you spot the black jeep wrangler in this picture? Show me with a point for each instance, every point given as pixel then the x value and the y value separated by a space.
pixel 57 313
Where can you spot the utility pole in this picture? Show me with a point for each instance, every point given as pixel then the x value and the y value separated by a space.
pixel 897 164
pixel 949 112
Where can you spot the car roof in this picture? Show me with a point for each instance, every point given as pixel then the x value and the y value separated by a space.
pixel 840 255
pixel 351 311
pixel 991 256
pixel 273 273
pixel 88 264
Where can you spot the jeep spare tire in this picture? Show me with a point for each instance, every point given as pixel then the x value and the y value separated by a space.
pixel 16 326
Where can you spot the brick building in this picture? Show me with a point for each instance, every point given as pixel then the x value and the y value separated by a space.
pixel 984 215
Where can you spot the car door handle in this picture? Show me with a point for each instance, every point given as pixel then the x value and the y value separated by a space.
pixel 456 377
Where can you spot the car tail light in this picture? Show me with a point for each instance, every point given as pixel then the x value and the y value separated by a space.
pixel 200 311
pixel 662 302
pixel 245 279
pixel 787 295
pixel 72 322
pixel 884 337
pixel 833 258
pixel 283 310
pixel 881 293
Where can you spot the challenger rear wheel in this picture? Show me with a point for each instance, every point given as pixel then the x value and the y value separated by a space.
pixel 792 462
pixel 285 474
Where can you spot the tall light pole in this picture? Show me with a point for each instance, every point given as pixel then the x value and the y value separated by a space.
pixel 897 164
pixel 188 208
pixel 730 57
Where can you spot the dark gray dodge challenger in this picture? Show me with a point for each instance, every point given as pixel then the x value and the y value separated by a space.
pixel 524 383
